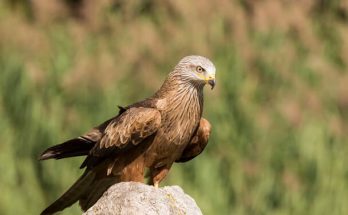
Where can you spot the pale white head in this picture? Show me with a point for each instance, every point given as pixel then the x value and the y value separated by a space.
pixel 197 69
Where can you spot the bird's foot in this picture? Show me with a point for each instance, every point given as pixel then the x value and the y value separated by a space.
pixel 156 184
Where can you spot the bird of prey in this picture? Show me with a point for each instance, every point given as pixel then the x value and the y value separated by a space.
pixel 151 134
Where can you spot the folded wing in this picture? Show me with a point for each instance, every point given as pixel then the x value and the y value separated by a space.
pixel 125 132
pixel 198 142
pixel 128 130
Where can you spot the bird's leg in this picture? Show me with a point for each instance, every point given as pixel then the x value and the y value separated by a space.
pixel 133 171
pixel 157 175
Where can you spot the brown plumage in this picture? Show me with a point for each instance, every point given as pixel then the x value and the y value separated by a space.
pixel 153 133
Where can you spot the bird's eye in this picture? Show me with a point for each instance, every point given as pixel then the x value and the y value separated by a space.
pixel 199 69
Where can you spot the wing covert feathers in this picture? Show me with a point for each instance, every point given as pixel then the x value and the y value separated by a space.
pixel 131 127
pixel 126 131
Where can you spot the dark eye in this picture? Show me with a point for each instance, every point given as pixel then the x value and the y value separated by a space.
pixel 199 69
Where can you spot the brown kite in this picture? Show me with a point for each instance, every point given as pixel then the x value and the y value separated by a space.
pixel 151 134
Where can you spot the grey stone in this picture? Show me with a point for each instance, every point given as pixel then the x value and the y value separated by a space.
pixel 128 198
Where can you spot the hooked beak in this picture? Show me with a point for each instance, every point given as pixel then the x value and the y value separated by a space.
pixel 211 81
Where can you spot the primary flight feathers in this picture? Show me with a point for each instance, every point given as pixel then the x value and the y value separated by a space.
pixel 154 133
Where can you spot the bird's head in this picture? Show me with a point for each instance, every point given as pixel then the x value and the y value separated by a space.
pixel 197 69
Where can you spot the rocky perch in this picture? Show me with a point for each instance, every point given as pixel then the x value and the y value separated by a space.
pixel 136 198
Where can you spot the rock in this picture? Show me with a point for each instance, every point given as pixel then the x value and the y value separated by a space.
pixel 129 198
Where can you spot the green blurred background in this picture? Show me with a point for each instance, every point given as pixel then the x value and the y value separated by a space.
pixel 279 111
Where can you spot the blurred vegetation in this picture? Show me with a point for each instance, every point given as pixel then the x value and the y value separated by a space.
pixel 279 111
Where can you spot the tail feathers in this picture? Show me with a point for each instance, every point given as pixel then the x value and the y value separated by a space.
pixel 75 192
pixel 71 148
pixel 96 191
